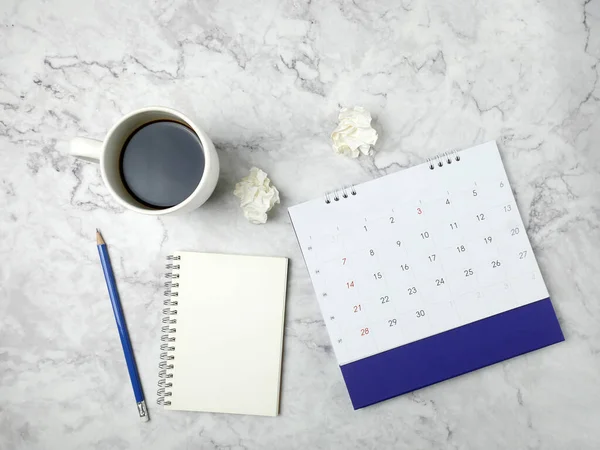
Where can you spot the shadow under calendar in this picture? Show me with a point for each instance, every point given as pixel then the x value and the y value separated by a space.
pixel 425 274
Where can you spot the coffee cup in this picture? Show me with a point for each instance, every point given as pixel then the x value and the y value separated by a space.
pixel 154 161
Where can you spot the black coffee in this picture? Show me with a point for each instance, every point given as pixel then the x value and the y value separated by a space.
pixel 162 163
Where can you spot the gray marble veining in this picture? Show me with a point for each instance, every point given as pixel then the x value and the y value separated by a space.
pixel 266 81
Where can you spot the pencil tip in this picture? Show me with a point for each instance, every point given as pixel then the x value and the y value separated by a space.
pixel 99 239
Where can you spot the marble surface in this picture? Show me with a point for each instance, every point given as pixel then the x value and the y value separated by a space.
pixel 266 80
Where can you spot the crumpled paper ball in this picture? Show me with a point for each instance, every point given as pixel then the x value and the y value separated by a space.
pixel 354 134
pixel 257 195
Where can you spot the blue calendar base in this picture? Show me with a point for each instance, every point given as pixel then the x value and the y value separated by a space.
pixel 451 353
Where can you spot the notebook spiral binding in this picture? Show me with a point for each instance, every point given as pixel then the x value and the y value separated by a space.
pixel 443 158
pixel 344 192
pixel 168 330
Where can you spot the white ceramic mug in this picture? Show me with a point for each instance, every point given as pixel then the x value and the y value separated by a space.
pixel 108 153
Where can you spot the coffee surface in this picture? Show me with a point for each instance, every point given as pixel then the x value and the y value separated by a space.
pixel 162 163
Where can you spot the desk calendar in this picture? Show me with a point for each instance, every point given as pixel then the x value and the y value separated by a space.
pixel 425 274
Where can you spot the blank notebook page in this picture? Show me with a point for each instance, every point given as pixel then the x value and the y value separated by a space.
pixel 229 333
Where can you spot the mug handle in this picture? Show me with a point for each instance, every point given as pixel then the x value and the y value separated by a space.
pixel 85 148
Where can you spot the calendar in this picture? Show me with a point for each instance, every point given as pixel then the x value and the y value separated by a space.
pixel 424 274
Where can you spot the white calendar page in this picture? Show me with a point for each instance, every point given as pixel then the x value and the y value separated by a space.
pixel 417 252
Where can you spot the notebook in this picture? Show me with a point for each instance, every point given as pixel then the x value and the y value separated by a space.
pixel 222 333
pixel 424 274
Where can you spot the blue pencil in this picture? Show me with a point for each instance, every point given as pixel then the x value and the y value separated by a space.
pixel 122 326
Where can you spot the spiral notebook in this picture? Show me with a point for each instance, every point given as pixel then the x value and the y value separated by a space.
pixel 425 274
pixel 222 333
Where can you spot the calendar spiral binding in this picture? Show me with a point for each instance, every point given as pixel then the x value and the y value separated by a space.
pixel 167 338
pixel 337 194
pixel 443 158
pixel 437 161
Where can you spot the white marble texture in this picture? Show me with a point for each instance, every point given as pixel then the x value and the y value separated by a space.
pixel 266 80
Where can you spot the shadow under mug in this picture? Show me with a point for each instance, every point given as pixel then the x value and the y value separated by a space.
pixel 108 152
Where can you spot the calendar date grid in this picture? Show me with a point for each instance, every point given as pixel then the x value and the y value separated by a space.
pixel 363 296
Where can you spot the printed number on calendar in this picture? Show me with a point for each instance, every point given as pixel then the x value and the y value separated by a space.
pixel 523 254
pixel 412 290
pixel 392 322
pixel 364 331
pixel 495 264
pixel 468 272
pixel 420 313
pixel 357 308
pixel 385 299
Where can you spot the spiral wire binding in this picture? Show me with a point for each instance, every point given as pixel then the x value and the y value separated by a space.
pixel 438 160
pixel 443 158
pixel 338 194
pixel 168 330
